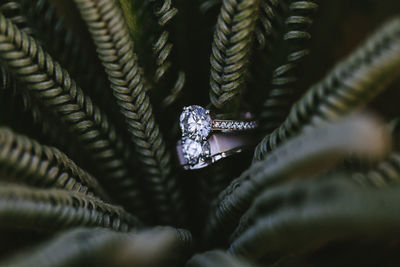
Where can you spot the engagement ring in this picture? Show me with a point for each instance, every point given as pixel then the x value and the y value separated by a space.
pixel 206 140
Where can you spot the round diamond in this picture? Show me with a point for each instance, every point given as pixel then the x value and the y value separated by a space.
pixel 195 122
pixel 195 151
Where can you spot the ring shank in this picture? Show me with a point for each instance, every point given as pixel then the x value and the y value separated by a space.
pixel 221 146
pixel 233 125
pixel 222 143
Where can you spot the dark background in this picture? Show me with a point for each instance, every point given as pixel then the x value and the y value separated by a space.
pixel 339 27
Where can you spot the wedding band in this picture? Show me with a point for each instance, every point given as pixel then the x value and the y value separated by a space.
pixel 194 154
pixel 196 123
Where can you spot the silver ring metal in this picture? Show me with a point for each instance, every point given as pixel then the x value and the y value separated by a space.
pixel 206 140
pixel 197 123
pixel 194 154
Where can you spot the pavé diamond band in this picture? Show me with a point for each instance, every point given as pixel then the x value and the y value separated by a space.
pixel 206 140
pixel 232 125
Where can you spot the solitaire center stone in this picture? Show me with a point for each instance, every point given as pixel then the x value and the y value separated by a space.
pixel 195 122
pixel 195 151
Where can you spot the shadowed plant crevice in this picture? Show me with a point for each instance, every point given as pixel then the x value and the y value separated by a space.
pixel 115 48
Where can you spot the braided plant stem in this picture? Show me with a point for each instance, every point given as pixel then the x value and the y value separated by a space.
pixel 231 51
pixel 59 93
pixel 115 48
pixel 264 28
pixel 281 92
pixel 265 24
pixel 13 10
pixel 305 155
pixel 22 104
pixel 55 209
pixel 102 247
pixel 67 249
pixel 385 174
pixel 67 48
pixel 323 212
pixel 206 5
pixel 162 49
pixel 216 258
pixel 26 160
pixel 351 85
pixel 59 41
pixel 176 90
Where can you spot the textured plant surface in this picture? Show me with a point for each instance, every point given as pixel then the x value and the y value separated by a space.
pixel 90 96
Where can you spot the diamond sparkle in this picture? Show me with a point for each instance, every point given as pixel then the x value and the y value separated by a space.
pixel 195 122
pixel 195 151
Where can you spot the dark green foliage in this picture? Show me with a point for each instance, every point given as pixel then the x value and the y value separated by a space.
pixel 90 97
pixel 54 209
pixel 308 215
pixel 348 87
pixel 215 259
pixel 27 161
pixel 104 247
pixel 115 48
pixel 384 174
pixel 294 38
pixel 54 88
pixel 294 159
pixel 75 55
pixel 231 51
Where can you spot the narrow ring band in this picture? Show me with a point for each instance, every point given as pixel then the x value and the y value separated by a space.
pixel 233 125
pixel 196 155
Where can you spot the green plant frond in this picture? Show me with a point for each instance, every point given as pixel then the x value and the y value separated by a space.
pixel 18 102
pixel 19 111
pixel 102 247
pixel 206 5
pixel 142 26
pixel 260 207
pixel 12 102
pixel 13 10
pixel 59 93
pixel 352 84
pixel 67 249
pixel 162 49
pixel 63 44
pixel 54 209
pixel 216 258
pixel 115 48
pixel 384 174
pixel 231 46
pixel 306 155
pixel 156 17
pixel 27 161
pixel 90 96
pixel 293 40
pixel 130 16
pixel 387 172
pixel 322 212
pixel 176 90
pixel 265 24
